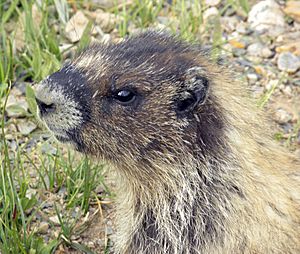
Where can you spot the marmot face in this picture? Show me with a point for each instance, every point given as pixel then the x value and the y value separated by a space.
pixel 201 173
pixel 146 97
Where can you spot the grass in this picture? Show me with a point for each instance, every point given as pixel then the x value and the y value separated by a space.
pixel 30 55
pixel 55 172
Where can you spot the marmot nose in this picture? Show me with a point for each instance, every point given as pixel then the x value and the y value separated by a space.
pixel 44 107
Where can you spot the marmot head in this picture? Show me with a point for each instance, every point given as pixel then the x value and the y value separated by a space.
pixel 147 98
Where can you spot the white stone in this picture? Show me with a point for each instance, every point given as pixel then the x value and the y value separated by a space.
pixel 26 127
pixel 210 12
pixel 55 220
pixel 258 49
pixel 212 2
pixel 288 62
pixel 16 106
pixel 282 116
pixel 252 77
pixel 266 16
pixel 75 26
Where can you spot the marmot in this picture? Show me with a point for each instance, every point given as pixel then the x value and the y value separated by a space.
pixel 197 169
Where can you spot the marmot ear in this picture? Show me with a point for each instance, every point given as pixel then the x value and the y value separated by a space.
pixel 194 91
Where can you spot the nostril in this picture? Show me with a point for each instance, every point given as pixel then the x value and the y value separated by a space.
pixel 44 107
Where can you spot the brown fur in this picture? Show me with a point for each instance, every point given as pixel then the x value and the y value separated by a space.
pixel 210 180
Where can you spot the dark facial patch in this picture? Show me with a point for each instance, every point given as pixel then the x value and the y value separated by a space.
pixel 74 85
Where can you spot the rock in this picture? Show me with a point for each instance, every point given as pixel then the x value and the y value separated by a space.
pixel 237 44
pixel 30 193
pixel 20 88
pixel 163 20
pixel 288 37
pixel 106 21
pixel 271 84
pixel 287 129
pixel 109 230
pixel 75 26
pixel 26 127
pixel 288 62
pixel 10 134
pixel 19 38
pixel 242 28
pixel 90 244
pixel 282 116
pixel 266 53
pixel 43 228
pixel 107 4
pixel 293 47
pixel 210 13
pixel 260 70
pixel 260 50
pixel 229 24
pixel 212 2
pixel 239 52
pixel 65 47
pixel 68 50
pixel 266 16
pixel 48 148
pixel 252 78
pixel 16 106
pixel 288 91
pixel 296 82
pixel 293 9
pixel 54 220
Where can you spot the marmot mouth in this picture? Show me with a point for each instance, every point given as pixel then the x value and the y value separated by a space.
pixel 69 137
pixel 61 135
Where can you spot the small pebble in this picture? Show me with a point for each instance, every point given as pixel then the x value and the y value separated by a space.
pixel 75 27
pixel 54 220
pixel 259 50
pixel 43 228
pixel 293 47
pixel 212 2
pixel 210 12
pixel 109 230
pixel 288 62
pixel 288 91
pixel 282 116
pixel 267 17
pixel 242 28
pixel 252 78
pixel 107 4
pixel 293 9
pixel 272 83
pixel 90 244
pixel 26 127
pixel 48 149
pixel 106 21
pixel 30 193
pixel 16 106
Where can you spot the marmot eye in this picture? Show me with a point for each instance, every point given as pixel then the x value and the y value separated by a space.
pixel 125 96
